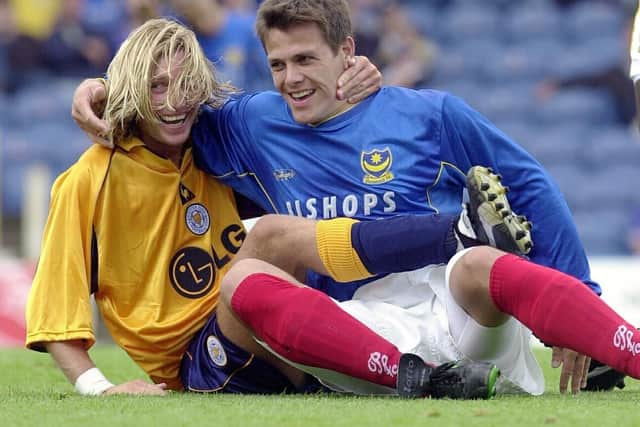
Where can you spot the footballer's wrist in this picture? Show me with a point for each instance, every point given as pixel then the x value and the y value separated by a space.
pixel 92 383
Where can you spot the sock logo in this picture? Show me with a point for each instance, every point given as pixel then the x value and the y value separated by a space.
pixel 623 339
pixel 379 363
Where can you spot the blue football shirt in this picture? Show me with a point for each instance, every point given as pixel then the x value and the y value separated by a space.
pixel 400 151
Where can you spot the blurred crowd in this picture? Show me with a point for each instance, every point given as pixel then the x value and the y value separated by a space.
pixel 77 38
pixel 551 73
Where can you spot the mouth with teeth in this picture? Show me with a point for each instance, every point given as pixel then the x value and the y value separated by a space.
pixel 302 95
pixel 176 119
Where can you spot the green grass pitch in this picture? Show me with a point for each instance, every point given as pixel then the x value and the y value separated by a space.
pixel 34 393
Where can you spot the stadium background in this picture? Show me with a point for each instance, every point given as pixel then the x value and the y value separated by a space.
pixel 552 74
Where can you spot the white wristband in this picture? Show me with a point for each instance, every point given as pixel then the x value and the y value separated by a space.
pixel 92 383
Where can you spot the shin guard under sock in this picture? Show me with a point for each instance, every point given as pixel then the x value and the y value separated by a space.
pixel 307 327
pixel 562 311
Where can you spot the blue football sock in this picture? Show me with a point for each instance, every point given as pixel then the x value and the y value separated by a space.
pixel 404 242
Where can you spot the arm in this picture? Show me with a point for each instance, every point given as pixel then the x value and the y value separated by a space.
pixel 356 83
pixel 74 361
pixel 470 139
pixel 63 280
pixel 88 100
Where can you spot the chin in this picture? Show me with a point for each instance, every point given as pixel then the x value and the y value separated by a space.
pixel 174 140
pixel 303 118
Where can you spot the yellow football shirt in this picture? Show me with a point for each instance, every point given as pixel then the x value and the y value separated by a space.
pixel 150 240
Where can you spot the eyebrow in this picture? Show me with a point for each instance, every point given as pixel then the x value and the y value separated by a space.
pixel 311 53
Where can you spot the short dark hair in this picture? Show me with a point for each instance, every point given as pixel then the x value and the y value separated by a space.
pixel 331 16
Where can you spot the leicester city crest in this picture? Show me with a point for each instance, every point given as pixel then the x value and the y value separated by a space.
pixel 376 165
pixel 197 219
pixel 216 351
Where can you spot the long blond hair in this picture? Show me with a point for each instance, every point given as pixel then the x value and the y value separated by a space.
pixel 129 76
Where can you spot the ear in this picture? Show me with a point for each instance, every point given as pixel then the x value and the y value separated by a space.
pixel 348 49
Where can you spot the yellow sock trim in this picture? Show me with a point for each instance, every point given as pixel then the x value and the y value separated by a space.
pixel 333 241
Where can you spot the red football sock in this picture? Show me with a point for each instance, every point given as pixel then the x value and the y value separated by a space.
pixel 307 327
pixel 562 311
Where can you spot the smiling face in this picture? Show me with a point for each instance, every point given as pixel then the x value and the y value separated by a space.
pixel 305 70
pixel 173 117
pixel 156 83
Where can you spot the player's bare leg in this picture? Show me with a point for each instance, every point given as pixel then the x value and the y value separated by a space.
pixel 557 308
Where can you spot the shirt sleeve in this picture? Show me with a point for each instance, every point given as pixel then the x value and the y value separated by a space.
pixel 220 139
pixel 469 139
pixel 59 307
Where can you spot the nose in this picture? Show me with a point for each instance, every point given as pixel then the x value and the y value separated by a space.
pixel 293 75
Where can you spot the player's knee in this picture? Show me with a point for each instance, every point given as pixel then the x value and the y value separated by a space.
pixel 236 275
pixel 470 274
pixel 469 284
pixel 269 227
pixel 479 259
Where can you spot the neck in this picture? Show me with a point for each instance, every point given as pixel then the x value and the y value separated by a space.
pixel 172 153
pixel 343 108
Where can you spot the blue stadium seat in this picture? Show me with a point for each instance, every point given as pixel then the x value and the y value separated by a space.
pixel 529 60
pixel 507 102
pixel 559 148
pixel 468 58
pixel 610 188
pixel 12 183
pixel 519 129
pixel 530 20
pixel 611 147
pixel 450 66
pixel 467 21
pixel 603 231
pixel 47 100
pixel 48 142
pixel 426 19
pixel 104 15
pixel 15 145
pixel 589 55
pixel 571 180
pixel 55 145
pixel 594 18
pixel 4 110
pixel 580 106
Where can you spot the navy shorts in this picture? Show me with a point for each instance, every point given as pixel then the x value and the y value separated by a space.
pixel 212 363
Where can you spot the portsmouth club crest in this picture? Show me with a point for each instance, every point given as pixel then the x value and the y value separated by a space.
pixel 376 165
pixel 197 219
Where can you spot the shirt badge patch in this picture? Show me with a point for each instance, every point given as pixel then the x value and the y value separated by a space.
pixel 376 165
pixel 186 195
pixel 283 174
pixel 197 219
pixel 216 351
